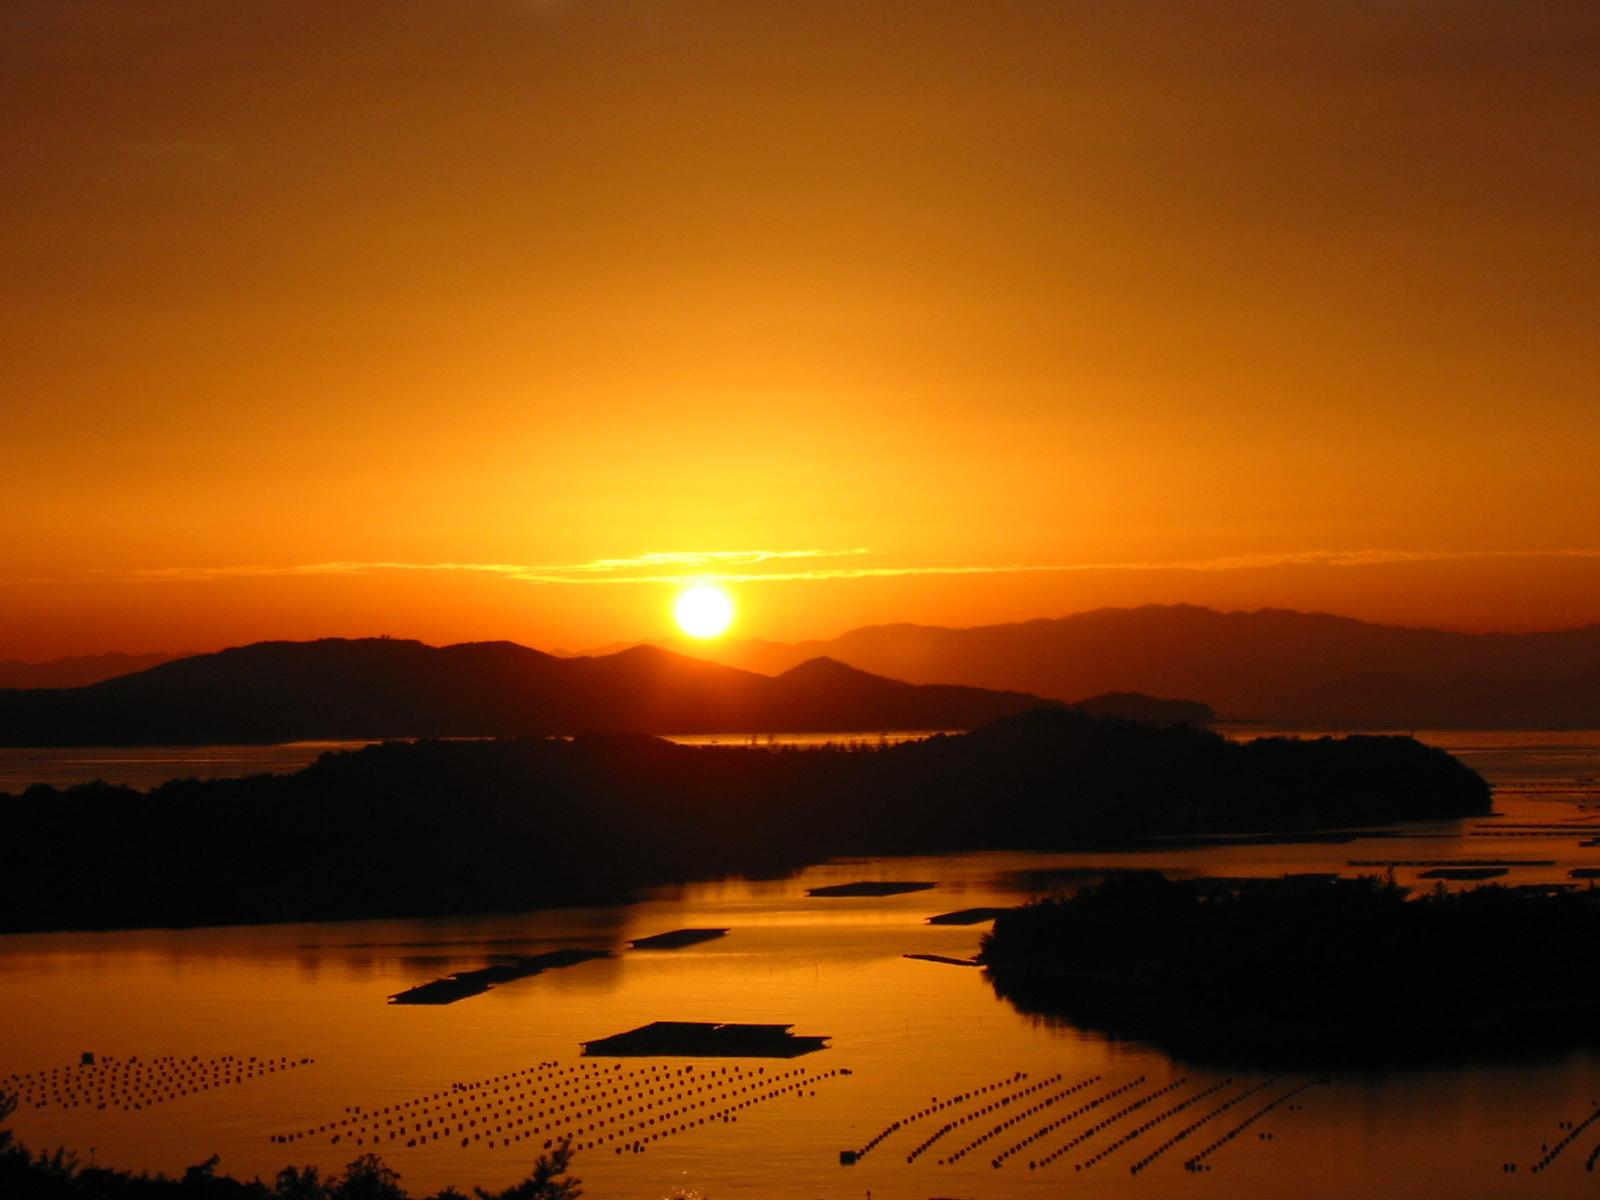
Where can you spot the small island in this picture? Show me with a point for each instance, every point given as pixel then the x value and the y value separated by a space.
pixel 1307 970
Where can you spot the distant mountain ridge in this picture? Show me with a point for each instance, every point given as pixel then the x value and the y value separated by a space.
pixel 1271 664
pixel 383 687
pixel 76 671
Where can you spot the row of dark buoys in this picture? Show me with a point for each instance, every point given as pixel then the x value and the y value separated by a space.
pixel 1145 1126
pixel 848 1157
pixel 457 1092
pixel 594 1102
pixel 1197 1163
pixel 1047 1102
pixel 1000 1102
pixel 1551 1153
pixel 1104 1123
pixel 1089 1106
pixel 133 1084
pixel 1014 1119
pixel 757 1087
pixel 1195 1125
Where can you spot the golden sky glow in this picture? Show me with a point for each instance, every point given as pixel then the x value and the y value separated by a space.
pixel 370 318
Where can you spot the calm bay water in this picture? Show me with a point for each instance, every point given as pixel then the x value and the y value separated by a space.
pixel 146 766
pixel 912 1033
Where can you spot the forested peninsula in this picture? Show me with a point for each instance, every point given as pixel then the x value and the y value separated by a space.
pixel 435 827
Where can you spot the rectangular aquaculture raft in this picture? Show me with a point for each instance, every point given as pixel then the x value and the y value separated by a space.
pixel 474 983
pixel 871 887
pixel 675 938
pixel 706 1039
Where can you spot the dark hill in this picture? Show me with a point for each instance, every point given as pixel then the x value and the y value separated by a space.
pixel 824 694
pixel 1136 706
pixel 382 687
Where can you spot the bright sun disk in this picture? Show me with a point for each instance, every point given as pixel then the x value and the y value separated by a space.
pixel 704 611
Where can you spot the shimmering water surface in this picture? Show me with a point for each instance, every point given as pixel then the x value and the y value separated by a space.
pixel 309 1001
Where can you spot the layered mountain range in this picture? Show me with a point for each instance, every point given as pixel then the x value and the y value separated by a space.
pixel 1272 665
pixel 1269 665
pixel 76 671
pixel 384 687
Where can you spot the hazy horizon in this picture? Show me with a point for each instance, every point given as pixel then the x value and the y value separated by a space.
pixel 685 644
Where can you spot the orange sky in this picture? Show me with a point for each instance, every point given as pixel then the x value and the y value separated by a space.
pixel 1230 303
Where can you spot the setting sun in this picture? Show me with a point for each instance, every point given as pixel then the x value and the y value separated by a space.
pixel 704 611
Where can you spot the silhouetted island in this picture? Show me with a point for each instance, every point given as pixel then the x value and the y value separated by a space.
pixel 470 826
pixel 1307 970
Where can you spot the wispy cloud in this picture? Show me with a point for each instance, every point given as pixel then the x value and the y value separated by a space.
pixel 790 566
pixel 656 567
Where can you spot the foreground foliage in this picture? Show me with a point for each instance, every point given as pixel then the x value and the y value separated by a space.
pixel 59 1176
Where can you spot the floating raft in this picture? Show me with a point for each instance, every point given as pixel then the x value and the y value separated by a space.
pixel 705 1039
pixel 967 916
pixel 1451 862
pixel 871 887
pixel 944 958
pixel 1338 837
pixel 442 991
pixel 474 983
pixel 675 938
pixel 1475 874
pixel 1584 873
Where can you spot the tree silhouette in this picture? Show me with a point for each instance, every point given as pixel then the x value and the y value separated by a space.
pixel 543 1184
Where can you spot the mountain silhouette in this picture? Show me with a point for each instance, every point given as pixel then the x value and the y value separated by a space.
pixel 1270 664
pixel 76 671
pixel 383 687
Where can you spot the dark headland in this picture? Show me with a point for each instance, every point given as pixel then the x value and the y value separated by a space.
pixel 472 826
